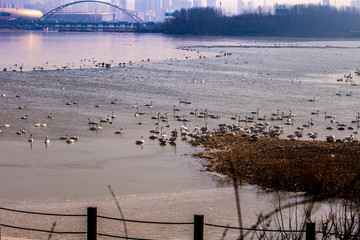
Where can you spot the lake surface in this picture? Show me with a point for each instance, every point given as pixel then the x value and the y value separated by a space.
pixel 225 76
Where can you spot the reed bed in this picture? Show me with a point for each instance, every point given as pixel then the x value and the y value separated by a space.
pixel 325 170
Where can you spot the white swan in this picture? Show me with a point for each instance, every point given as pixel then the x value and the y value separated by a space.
pixel 313 135
pixel 330 138
pixel 153 130
pixel 164 136
pixel 47 140
pixel 176 109
pixel 262 118
pixel 182 101
pixel 31 139
pixel 153 136
pixel 317 112
pixel 327 116
pixel 257 111
pixel 97 127
pixel 174 133
pixel 156 117
pixel 64 137
pixel 92 122
pixel 93 128
pixel 292 137
pixel 75 138
pixel 172 140
pixel 119 132
pixel 149 105
pixel 103 120
pixel 194 112
pixel 140 141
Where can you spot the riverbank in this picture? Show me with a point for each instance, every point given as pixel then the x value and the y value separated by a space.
pixel 325 170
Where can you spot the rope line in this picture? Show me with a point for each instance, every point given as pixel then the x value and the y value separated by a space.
pixel 149 222
pixel 114 236
pixel 253 229
pixel 47 214
pixel 129 220
pixel 41 230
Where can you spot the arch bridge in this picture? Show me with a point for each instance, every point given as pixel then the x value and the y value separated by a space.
pixel 90 26
pixel 50 13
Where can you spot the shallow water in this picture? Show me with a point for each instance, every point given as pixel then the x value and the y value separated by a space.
pixel 271 74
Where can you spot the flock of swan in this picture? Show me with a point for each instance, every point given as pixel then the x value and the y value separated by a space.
pixel 253 125
pixel 84 63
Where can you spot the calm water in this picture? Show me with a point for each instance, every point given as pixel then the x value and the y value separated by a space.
pixel 269 74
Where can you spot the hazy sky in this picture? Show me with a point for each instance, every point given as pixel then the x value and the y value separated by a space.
pixel 231 5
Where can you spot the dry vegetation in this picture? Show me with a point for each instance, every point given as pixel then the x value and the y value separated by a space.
pixel 325 170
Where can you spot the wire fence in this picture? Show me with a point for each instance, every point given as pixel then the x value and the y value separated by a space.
pixel 198 225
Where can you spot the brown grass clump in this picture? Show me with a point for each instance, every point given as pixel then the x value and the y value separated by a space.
pixel 326 170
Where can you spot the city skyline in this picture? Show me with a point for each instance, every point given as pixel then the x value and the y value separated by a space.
pixel 225 4
pixel 154 10
pixel 232 4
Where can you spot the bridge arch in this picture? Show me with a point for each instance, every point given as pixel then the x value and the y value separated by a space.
pixel 50 13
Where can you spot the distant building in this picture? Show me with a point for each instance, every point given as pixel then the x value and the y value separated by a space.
pixel 119 15
pixel 166 12
pixel 150 8
pixel 251 6
pixel 13 13
pixel 211 3
pixel 241 7
pixel 326 2
pixel 120 3
pixel 155 6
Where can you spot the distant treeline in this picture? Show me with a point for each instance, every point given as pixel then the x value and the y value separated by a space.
pixel 297 20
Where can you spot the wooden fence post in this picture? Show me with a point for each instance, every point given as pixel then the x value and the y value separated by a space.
pixel 310 231
pixel 91 223
pixel 198 227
